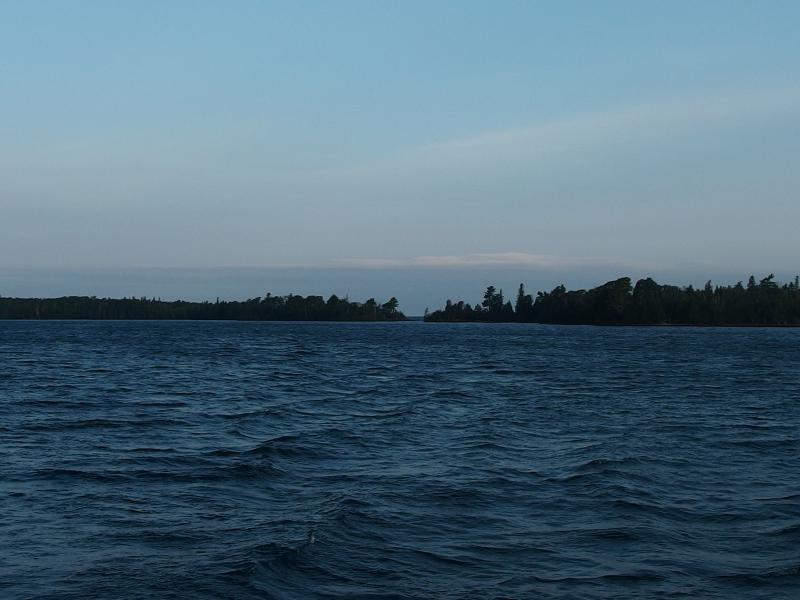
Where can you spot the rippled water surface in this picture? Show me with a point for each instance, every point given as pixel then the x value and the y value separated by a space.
pixel 263 460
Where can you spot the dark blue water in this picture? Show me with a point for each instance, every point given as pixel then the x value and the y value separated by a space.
pixel 263 460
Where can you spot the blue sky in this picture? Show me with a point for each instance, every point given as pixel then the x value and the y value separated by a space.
pixel 394 147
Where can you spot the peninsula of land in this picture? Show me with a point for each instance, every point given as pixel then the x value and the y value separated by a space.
pixel 618 302
pixel 267 308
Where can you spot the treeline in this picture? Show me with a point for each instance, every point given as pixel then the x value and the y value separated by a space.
pixel 647 303
pixel 268 308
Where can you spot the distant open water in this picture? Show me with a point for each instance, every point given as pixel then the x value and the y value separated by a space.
pixel 375 461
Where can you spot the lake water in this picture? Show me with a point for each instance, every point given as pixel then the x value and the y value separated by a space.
pixel 375 461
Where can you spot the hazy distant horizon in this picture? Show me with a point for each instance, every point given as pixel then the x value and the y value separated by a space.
pixel 416 288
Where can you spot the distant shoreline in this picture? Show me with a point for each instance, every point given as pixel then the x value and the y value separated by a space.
pixel 416 319
pixel 618 303
pixel 633 325
pixel 763 303
pixel 268 308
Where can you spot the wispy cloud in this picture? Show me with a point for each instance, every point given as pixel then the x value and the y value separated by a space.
pixel 629 124
pixel 546 182
pixel 564 139
pixel 480 260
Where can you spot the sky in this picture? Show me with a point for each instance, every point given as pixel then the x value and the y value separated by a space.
pixel 417 149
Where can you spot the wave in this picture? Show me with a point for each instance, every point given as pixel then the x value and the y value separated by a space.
pixel 148 423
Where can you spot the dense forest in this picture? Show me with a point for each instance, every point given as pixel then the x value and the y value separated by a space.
pixel 647 303
pixel 268 308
